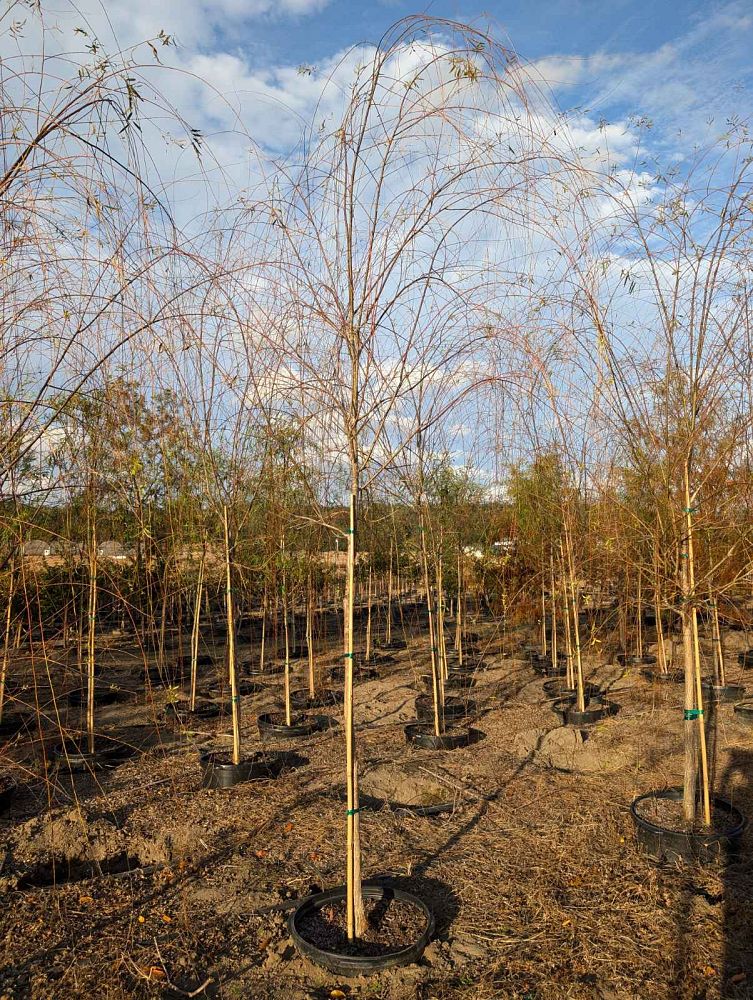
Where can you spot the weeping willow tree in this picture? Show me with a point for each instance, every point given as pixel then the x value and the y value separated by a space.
pixel 385 264
pixel 670 312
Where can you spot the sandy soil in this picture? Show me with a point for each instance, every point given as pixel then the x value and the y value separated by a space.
pixel 136 882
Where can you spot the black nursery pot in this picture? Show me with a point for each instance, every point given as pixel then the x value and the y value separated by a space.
pixel 394 645
pixel 14 723
pixel 361 672
pixel 670 846
pixel 180 711
pixel 8 789
pixel 542 665
pixel 454 708
pixel 723 694
pixel 219 771
pixel 252 668
pixel 73 754
pixel 558 688
pixel 324 698
pixel 350 965
pixel 421 734
pixel 596 709
pixel 657 677
pixel 631 660
pixel 103 696
pixel 744 711
pixel 467 667
pixel 270 728
pixel 184 662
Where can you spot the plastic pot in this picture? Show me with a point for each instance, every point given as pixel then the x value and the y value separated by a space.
pixel 14 723
pixel 670 846
pixel 468 667
pixel 744 711
pixel 102 696
pixel 454 708
pixel 324 698
pixel 421 734
pixel 542 665
pixel 360 673
pixel 180 711
pixel 723 694
pixel 359 965
pixel 631 660
pixel 596 709
pixel 73 754
pixel 746 659
pixel 558 688
pixel 219 771
pixel 461 682
pixel 394 645
pixel 252 668
pixel 271 728
pixel 657 677
pixel 8 789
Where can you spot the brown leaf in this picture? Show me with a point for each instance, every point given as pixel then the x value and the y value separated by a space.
pixel 86 900
pixel 166 919
pixel 289 827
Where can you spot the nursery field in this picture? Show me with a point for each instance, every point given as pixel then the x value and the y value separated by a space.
pixel 134 881
pixel 376 507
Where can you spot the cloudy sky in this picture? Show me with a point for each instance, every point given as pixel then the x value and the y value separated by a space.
pixel 682 64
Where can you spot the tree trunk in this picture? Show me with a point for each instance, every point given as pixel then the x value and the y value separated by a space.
pixel 356 917
pixel 234 697
pixel 90 649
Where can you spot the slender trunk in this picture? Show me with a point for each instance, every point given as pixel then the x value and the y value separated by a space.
pixel 310 632
pixel 286 635
pixel 639 619
pixel 580 690
pixel 388 625
pixel 195 632
pixel 543 609
pixel 568 628
pixel 263 628
pixel 234 697
pixel 554 613
pixel 356 917
pixel 6 637
pixel 442 644
pixel 367 653
pixel 90 659
pixel 436 685
pixel 660 647
pixel 460 615
pixel 718 645
pixel 695 749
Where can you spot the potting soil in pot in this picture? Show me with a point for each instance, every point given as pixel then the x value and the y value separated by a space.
pixel 391 925
pixel 668 814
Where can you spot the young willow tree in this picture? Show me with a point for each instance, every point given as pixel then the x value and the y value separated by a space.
pixel 385 250
pixel 669 299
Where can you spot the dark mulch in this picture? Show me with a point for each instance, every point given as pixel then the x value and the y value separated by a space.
pixel 391 925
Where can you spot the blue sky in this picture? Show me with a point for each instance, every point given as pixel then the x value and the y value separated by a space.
pixel 698 52
pixel 686 65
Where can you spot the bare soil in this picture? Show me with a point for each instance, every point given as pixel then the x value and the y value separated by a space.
pixel 137 883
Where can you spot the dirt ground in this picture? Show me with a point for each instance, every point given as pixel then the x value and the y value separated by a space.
pixel 136 882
